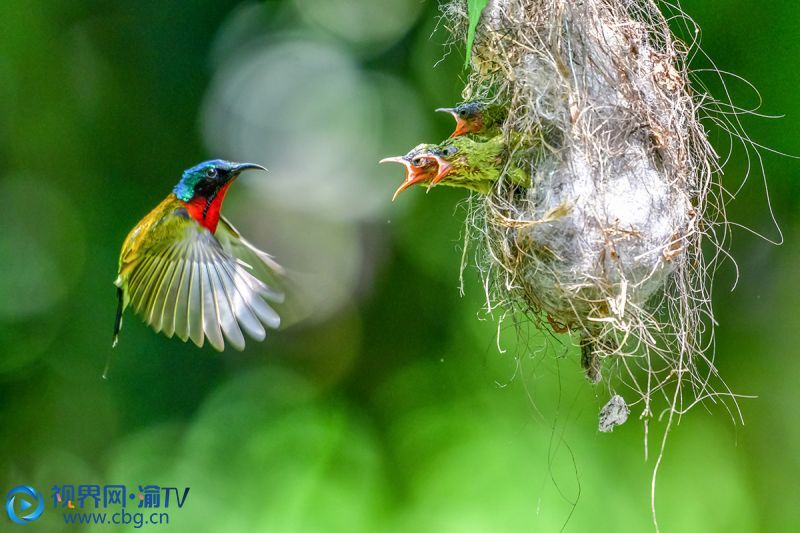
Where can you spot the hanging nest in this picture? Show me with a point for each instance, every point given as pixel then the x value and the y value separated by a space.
pixel 606 241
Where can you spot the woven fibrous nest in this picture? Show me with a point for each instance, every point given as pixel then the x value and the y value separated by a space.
pixel 606 241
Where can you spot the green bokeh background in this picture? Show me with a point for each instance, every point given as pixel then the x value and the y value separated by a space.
pixel 391 408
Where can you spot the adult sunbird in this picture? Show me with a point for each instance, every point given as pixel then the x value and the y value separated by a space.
pixel 187 271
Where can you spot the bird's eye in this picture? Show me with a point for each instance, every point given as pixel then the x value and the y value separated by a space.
pixel 450 150
pixel 462 113
pixel 211 172
pixel 418 161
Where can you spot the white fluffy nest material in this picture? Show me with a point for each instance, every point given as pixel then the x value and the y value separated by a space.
pixel 606 241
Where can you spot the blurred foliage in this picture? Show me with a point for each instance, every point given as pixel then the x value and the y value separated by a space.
pixel 390 407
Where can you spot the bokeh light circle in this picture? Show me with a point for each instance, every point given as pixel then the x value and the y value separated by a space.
pixel 369 24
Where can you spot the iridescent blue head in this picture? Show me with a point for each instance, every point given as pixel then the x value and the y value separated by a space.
pixel 207 178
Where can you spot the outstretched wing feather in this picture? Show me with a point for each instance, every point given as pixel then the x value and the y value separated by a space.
pixel 259 263
pixel 227 319
pixel 211 317
pixel 197 288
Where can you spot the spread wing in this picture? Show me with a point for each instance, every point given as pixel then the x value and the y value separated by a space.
pixel 294 307
pixel 194 287
pixel 261 264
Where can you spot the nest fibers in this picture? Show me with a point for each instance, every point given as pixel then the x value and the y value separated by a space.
pixel 606 241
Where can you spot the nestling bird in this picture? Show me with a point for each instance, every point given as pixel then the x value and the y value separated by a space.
pixel 187 271
pixel 423 164
pixel 477 117
pixel 460 162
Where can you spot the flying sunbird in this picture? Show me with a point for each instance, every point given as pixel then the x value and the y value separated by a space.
pixel 482 119
pixel 459 162
pixel 187 271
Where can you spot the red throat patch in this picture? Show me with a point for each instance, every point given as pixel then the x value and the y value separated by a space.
pixel 205 212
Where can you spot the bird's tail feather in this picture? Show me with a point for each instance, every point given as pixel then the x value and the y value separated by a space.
pixel 117 327
pixel 118 319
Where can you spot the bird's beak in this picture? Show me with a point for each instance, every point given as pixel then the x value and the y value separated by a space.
pixel 444 170
pixel 241 167
pixel 411 176
pixel 462 126
pixel 405 185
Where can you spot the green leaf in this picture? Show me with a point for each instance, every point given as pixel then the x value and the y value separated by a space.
pixel 474 9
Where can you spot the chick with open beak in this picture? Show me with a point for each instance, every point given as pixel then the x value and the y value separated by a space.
pixel 478 118
pixel 461 162
pixel 424 164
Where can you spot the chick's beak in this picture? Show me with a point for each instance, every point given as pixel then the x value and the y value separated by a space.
pixel 461 125
pixel 444 170
pixel 462 128
pixel 412 176
pixel 405 185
